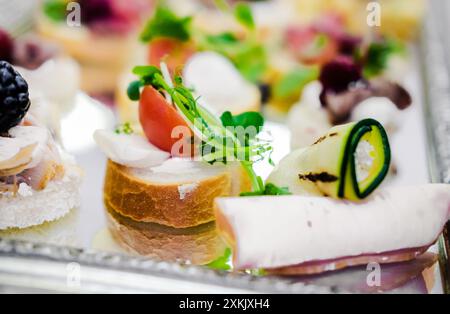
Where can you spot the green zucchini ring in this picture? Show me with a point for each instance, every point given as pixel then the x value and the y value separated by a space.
pixel 349 162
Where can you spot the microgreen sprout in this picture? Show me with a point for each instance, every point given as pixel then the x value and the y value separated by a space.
pixel 220 141
pixel 125 128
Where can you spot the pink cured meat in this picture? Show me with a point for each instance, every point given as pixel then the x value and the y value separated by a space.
pixel 317 267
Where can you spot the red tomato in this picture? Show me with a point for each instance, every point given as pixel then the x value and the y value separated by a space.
pixel 158 118
pixel 174 52
pixel 301 42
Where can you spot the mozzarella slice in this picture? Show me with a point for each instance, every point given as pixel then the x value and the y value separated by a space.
pixel 219 84
pixel 379 108
pixel 129 150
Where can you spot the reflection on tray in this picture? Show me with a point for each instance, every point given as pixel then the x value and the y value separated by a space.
pixel 197 245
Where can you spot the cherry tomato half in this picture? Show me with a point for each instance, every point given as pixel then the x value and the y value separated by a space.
pixel 306 46
pixel 158 119
pixel 174 52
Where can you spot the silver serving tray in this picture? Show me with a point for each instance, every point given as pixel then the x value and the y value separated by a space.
pixel 86 263
pixel 435 48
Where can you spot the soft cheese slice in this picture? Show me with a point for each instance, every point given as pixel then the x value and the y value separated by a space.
pixel 62 91
pixel 129 150
pixel 279 231
pixel 219 84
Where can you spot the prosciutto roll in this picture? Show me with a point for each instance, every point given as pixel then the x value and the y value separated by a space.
pixel 308 234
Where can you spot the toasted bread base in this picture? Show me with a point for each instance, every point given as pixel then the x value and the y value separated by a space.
pixel 197 245
pixel 160 203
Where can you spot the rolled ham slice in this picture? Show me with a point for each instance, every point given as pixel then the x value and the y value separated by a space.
pixel 306 235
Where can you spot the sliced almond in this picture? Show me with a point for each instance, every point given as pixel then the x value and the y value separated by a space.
pixel 18 162
pixel 33 134
pixel 23 149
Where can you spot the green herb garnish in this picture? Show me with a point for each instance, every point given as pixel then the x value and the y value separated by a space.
pixel 219 143
pixel 243 15
pixel 244 120
pixel 222 5
pixel 133 90
pixel 269 189
pixel 377 56
pixel 245 126
pixel 317 46
pixel 293 82
pixel 222 40
pixel 166 24
pixel 55 10
pixel 251 60
pixel 124 129
pixel 248 55
pixel 223 262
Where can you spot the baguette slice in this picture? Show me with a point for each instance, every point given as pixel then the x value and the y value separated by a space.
pixel 178 194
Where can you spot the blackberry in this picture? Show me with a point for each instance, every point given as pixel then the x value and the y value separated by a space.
pixel 337 75
pixel 14 97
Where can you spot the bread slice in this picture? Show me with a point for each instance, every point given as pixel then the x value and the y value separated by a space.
pixel 102 58
pixel 175 198
pixel 98 79
pixel 31 208
pixel 196 245
pixel 59 232
pixel 86 46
